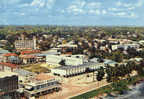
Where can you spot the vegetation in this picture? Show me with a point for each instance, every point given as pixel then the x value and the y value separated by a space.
pixel 100 74
pixel 37 68
pixel 12 33
pixel 118 76
pixel 114 87
pixel 62 62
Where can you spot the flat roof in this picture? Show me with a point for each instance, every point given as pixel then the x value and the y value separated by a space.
pixel 6 74
pixel 43 76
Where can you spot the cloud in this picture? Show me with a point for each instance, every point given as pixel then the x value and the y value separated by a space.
pixel 139 3
pixel 125 14
pixel 9 2
pixel 93 5
pixel 22 14
pixel 98 12
pixel 114 9
pixel 83 7
pixel 104 12
pixel 75 9
pixel 43 3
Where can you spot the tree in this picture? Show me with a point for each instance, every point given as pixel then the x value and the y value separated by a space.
pixel 140 68
pixel 132 52
pixel 117 56
pixel 100 74
pixel 100 59
pixel 62 62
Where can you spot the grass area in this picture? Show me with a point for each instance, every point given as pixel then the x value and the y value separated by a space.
pixel 110 88
pixel 37 68
pixel 48 66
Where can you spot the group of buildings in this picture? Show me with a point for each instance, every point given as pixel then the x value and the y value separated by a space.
pixel 20 82
pixel 15 82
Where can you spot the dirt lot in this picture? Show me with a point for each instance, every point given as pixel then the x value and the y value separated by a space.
pixel 75 86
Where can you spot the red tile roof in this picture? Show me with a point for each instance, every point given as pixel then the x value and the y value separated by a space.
pixel 10 54
pixel 9 65
pixel 30 52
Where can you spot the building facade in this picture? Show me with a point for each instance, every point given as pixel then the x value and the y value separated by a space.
pixel 69 60
pixel 68 71
pixel 8 85
pixel 25 44
pixel 38 88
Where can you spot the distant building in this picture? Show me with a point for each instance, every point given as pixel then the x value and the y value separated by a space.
pixel 25 44
pixel 8 85
pixel 125 46
pixel 43 84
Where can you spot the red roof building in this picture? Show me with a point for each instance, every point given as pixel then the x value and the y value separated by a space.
pixel 10 54
pixel 9 65
pixel 30 52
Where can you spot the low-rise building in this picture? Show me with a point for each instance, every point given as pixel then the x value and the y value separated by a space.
pixel 69 60
pixel 8 67
pixel 41 86
pixel 67 71
pixel 11 58
pixel 125 46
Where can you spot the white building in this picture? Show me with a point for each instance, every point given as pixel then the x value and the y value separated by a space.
pixel 125 46
pixel 69 59
pixel 41 87
pixel 67 71
pixel 23 43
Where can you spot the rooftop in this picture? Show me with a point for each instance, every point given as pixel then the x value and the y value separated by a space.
pixel 6 74
pixel 83 65
pixel 9 65
pixel 43 76
pixel 30 52
pixel 67 45
pixel 10 54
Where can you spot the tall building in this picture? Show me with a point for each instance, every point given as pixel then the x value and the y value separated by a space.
pixel 25 44
pixel 8 85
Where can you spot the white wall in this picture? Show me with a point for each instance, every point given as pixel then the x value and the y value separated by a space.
pixel 55 59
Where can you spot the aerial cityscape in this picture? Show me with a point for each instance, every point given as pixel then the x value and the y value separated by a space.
pixel 78 49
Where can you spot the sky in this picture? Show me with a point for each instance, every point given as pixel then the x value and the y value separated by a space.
pixel 72 12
